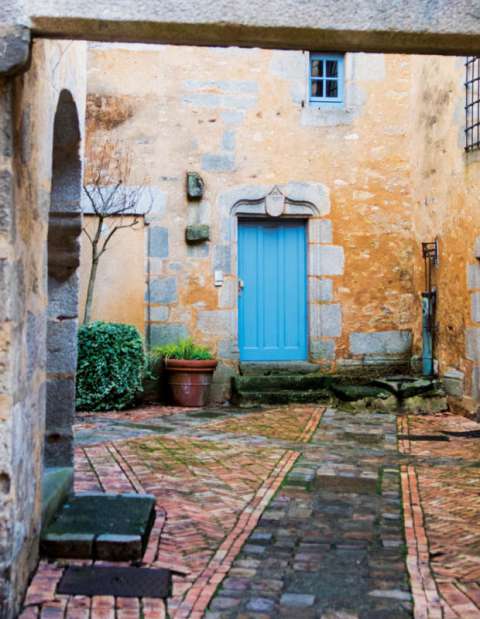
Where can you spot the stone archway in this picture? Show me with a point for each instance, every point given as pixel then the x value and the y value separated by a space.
pixel 64 228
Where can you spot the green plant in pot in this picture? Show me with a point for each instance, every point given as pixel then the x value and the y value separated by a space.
pixel 189 369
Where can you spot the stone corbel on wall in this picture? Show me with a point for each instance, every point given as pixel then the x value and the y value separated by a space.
pixel 14 49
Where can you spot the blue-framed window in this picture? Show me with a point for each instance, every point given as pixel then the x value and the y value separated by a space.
pixel 326 78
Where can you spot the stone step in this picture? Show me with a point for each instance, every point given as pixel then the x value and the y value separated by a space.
pixel 295 382
pixel 100 526
pixel 261 368
pixel 283 396
pixel 57 484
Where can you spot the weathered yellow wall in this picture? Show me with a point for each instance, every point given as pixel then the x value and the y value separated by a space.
pixel 239 117
pixel 23 264
pixel 120 283
pixel 446 182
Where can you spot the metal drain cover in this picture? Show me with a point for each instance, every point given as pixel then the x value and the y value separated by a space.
pixel 130 582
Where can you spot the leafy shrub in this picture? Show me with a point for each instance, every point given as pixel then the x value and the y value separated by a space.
pixel 184 349
pixel 111 366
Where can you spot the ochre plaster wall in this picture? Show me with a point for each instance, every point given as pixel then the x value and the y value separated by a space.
pixel 446 183
pixel 240 117
pixel 30 108
pixel 120 283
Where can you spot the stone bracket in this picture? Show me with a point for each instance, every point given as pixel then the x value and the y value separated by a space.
pixel 14 49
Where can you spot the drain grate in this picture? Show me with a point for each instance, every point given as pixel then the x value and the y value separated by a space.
pixel 130 582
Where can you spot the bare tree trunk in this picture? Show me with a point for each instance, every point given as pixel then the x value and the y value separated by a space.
pixel 87 315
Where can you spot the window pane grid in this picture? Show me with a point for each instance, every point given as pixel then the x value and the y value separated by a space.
pixel 472 103
pixel 326 78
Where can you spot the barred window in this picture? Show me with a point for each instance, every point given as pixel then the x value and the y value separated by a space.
pixel 472 103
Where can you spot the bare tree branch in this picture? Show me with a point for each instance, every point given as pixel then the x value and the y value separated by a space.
pixel 111 196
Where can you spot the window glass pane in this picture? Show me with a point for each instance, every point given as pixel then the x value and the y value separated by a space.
pixel 317 88
pixel 331 88
pixel 332 68
pixel 317 68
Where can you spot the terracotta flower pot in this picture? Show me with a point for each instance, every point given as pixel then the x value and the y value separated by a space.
pixel 190 380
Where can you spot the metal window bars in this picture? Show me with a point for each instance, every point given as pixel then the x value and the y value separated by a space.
pixel 472 103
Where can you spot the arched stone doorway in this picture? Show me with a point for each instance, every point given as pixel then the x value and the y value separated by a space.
pixel 64 228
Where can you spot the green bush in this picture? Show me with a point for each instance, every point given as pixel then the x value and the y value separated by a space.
pixel 111 366
pixel 184 349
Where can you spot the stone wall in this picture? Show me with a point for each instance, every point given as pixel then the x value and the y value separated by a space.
pixel 446 183
pixel 120 282
pixel 28 107
pixel 241 119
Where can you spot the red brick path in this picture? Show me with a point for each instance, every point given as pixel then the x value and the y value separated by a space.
pixel 210 495
pixel 441 500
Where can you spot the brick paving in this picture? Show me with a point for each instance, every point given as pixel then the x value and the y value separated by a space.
pixel 291 511
pixel 442 509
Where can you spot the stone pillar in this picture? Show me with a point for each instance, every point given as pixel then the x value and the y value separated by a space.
pixel 65 225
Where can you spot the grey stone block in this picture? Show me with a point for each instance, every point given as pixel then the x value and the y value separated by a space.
pixel 6 199
pixel 158 242
pixel 475 383
pixel 63 297
pixel 215 322
pixel 330 320
pixel 228 140
pixel 15 45
pixel 58 450
pixel 4 287
pixel 62 346
pixel 60 405
pixel 112 547
pixel 473 275
pixel 453 381
pixel 226 349
pixel 163 290
pixel 472 341
pixel 212 162
pixel 159 313
pixel 35 339
pixel 200 250
pixel 78 545
pixel 320 231
pixel 322 350
pixel 297 600
pixel 222 258
pixel 326 260
pixel 381 343
pixel 320 289
pixel 231 117
pixel 197 233
pixel 227 294
pixel 167 333
pixel 195 186
pixel 475 306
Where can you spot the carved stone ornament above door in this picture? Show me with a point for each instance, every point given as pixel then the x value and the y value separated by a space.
pixel 275 202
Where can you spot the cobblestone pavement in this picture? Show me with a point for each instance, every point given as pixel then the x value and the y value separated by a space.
pixel 291 512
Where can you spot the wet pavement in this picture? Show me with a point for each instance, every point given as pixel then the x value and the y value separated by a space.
pixel 290 511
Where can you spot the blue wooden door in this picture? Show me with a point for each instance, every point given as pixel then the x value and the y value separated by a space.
pixel 273 291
